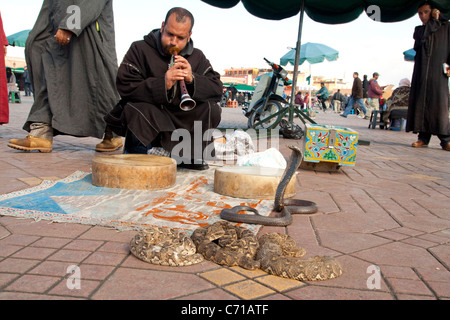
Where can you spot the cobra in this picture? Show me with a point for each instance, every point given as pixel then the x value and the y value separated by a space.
pixel 284 207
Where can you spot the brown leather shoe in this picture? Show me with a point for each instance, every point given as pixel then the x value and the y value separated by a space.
pixel 446 147
pixel 31 143
pixel 109 144
pixel 419 144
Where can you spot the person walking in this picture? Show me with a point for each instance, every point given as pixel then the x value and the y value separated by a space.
pixel 356 97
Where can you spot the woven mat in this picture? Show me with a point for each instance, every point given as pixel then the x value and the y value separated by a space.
pixel 189 204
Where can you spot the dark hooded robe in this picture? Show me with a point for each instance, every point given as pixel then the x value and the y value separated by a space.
pixel 429 98
pixel 151 112
pixel 74 84
pixel 4 104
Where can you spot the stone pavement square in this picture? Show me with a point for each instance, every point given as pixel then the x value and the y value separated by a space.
pixel 386 220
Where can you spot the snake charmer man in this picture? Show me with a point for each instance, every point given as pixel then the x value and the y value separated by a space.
pixel 148 82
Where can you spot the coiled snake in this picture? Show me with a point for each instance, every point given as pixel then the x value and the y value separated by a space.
pixel 284 207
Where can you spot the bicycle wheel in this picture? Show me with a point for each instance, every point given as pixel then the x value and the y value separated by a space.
pixel 257 119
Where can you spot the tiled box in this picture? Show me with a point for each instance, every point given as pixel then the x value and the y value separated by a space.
pixel 325 143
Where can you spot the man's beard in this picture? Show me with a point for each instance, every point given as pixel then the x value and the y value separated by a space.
pixel 168 49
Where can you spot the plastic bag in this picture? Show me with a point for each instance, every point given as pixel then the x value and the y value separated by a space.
pixel 239 143
pixel 290 130
pixel 271 158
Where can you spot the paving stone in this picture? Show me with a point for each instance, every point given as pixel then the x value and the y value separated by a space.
pixel 403 296
pixel 74 256
pixel 32 283
pixel 52 268
pixel 33 253
pixel 330 293
pixel 116 247
pixel 105 258
pixel 249 273
pixel 393 235
pixel 399 254
pixel 442 289
pixel 85 289
pixel 132 284
pixel 6 278
pixel 4 232
pixel 434 274
pixel 95 272
pixel 88 245
pixel 7 249
pixel 398 272
pixel 442 252
pixel 214 294
pixel 19 240
pixel 17 265
pixel 222 276
pixel 409 286
pixel 47 229
pixel 51 242
pixel 348 242
pixel 248 289
pixel 279 284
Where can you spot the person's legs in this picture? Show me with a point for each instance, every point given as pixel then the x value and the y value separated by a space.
pixel 111 141
pixel 362 105
pixel 324 106
pixel 423 140
pixel 374 104
pixel 26 88
pixel 445 141
pixel 40 139
pixel 133 145
pixel 349 107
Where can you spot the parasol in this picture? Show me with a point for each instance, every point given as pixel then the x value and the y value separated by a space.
pixel 409 55
pixel 312 53
pixel 18 39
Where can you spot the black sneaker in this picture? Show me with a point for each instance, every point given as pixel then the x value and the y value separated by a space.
pixel 133 145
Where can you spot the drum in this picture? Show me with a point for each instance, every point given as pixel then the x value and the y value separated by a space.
pixel 134 171
pixel 251 182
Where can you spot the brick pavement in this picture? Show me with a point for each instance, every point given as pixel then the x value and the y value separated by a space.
pixel 389 213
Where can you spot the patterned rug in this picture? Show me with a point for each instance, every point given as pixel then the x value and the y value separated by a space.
pixel 190 203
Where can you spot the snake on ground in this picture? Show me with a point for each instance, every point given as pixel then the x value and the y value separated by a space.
pixel 283 207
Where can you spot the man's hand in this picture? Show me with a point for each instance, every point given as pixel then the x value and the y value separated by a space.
pixel 6 50
pixel 63 36
pixel 181 70
pixel 435 14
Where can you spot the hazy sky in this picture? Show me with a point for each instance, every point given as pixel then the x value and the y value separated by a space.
pixel 235 38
